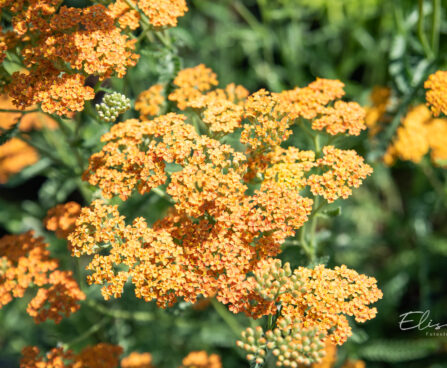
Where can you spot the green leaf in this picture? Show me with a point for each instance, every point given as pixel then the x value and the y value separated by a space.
pixel 394 351
pixel 333 212
pixel 7 134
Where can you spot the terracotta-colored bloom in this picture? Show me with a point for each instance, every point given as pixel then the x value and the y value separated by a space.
pixel 101 355
pixel 200 359
pixel 15 155
pixel 25 262
pixel 436 92
pixel 55 358
pixel 60 46
pixel 62 218
pixel 149 102
pixel 60 298
pixel 61 94
pixel 137 360
pixel 98 356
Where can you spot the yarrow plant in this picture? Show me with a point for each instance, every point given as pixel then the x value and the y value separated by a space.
pixel 238 187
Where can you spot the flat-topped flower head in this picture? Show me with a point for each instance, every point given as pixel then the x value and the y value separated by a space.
pixel 137 360
pixel 149 102
pixel 343 117
pixel 201 359
pixel 101 355
pixel 436 86
pixel 24 261
pixel 191 83
pixel 62 218
pixel 163 13
pixel 411 140
pixel 342 171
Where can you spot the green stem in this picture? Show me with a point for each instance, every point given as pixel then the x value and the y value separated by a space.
pixel 43 151
pixel 430 174
pixel 95 328
pixel 436 25
pixel 227 317
pixel 161 193
pixel 66 132
pixel 18 111
pixel 421 31
pixel 246 15
pixel 120 314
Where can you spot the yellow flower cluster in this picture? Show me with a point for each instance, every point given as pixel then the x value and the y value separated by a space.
pixel 418 135
pixel 26 262
pixel 60 46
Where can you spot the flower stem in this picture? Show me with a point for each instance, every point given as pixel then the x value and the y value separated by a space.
pixel 227 317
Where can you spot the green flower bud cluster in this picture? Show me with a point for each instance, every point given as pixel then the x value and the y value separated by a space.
pixel 254 343
pixel 289 343
pixel 273 280
pixel 112 106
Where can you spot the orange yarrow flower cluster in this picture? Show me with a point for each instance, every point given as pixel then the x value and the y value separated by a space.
pixel 328 297
pixel 220 228
pixel 62 218
pixel 201 359
pixel 149 102
pixel 137 360
pixel 163 13
pixel 159 13
pixel 25 262
pixel 319 298
pixel 418 135
pixel 60 46
pixel 436 92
